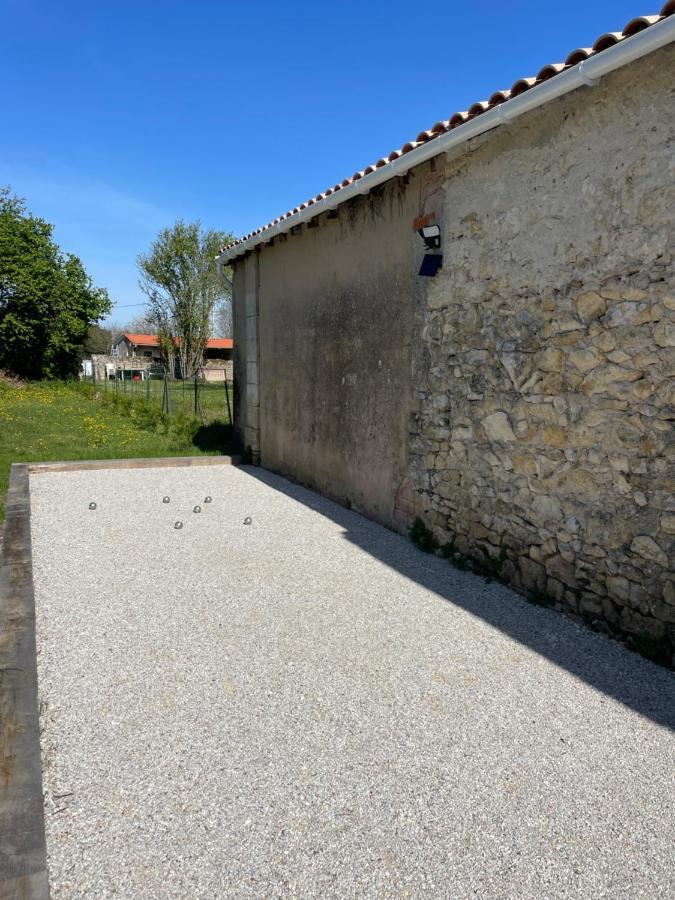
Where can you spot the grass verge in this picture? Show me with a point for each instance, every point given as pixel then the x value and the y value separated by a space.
pixel 45 420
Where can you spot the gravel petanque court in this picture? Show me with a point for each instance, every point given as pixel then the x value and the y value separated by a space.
pixel 308 706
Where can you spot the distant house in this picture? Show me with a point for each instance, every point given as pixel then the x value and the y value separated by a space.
pixel 131 345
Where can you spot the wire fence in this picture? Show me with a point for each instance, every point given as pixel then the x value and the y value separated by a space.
pixel 206 397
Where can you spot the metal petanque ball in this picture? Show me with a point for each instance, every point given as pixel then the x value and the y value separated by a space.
pixel 248 521
pixel 207 499
pixel 166 499
pixel 197 509
pixel 177 525
pixel 92 505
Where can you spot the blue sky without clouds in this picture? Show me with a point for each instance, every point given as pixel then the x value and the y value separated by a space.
pixel 118 118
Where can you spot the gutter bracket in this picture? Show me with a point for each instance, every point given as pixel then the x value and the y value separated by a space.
pixel 502 118
pixel 585 77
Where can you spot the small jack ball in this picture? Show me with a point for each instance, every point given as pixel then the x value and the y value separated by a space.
pixel 207 499
pixel 248 520
pixel 177 525
pixel 92 506
pixel 197 509
pixel 166 499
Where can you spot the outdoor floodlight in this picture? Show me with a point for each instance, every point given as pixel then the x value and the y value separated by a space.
pixel 431 263
pixel 431 235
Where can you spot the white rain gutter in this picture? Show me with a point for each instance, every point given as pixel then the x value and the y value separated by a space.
pixel 584 73
pixel 219 272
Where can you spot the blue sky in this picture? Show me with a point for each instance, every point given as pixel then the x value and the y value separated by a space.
pixel 118 118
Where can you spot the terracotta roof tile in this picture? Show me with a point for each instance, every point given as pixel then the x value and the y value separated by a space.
pixel 522 85
pixel 549 71
pixel 578 55
pixel 603 42
pixel 499 97
pixel 459 118
pixel 639 24
pixel 607 40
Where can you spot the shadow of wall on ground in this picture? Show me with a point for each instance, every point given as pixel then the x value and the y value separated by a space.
pixel 602 663
pixel 216 436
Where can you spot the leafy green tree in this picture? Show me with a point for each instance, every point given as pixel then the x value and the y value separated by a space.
pixel 99 339
pixel 179 278
pixel 47 300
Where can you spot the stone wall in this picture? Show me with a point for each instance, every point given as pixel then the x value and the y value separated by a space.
pixel 543 436
pixel 521 402
pixel 215 370
pixel 101 360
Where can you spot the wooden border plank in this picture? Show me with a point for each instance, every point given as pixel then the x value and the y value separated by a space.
pixel 23 855
pixel 143 463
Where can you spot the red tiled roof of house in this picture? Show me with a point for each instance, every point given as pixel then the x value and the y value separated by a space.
pixel 603 42
pixel 141 340
pixel 151 340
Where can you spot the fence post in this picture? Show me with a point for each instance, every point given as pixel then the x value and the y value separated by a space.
pixel 93 374
pixel 227 397
pixel 147 386
pixel 196 399
pixel 165 398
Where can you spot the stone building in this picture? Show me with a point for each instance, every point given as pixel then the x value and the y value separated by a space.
pixel 520 402
pixel 141 346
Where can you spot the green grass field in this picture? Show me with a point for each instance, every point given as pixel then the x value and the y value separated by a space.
pixel 54 421
pixel 212 399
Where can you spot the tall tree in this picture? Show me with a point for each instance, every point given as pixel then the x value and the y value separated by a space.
pixel 223 319
pixel 47 300
pixel 99 339
pixel 179 278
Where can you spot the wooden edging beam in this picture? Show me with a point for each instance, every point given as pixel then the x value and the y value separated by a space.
pixel 144 463
pixel 23 855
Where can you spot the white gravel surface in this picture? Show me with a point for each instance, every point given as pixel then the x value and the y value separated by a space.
pixel 308 706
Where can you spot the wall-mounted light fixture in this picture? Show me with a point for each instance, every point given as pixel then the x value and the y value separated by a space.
pixel 432 262
pixel 431 235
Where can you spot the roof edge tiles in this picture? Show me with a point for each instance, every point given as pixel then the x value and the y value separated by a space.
pixel 583 66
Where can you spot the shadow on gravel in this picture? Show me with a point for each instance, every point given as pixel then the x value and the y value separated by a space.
pixel 603 664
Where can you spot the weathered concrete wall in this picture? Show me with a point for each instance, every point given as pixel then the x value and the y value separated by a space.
pixel 521 402
pixel 335 328
pixel 545 423
pixel 239 349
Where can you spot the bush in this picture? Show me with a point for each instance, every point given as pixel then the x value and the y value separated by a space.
pixel 422 537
